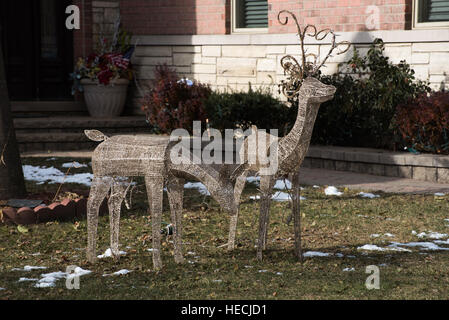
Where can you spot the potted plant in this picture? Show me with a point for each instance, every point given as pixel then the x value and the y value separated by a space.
pixel 104 76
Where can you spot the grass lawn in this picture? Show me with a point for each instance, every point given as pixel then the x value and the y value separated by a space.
pixel 335 225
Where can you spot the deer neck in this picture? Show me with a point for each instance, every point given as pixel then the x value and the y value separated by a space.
pixel 293 147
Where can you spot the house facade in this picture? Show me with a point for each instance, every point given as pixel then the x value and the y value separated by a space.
pixel 231 43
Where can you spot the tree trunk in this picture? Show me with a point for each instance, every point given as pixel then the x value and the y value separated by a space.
pixel 12 184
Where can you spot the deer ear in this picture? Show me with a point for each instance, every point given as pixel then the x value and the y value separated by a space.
pixel 95 135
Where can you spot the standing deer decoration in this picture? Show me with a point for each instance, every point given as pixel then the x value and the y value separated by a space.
pixel 150 157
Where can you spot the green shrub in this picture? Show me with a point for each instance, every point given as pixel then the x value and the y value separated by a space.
pixel 230 110
pixel 362 112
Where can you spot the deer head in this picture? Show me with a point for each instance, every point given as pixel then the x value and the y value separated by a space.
pixel 315 91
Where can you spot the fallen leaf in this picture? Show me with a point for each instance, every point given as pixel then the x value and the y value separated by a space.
pixel 22 229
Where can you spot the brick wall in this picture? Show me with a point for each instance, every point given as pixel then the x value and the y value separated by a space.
pixel 214 16
pixel 82 38
pixel 175 16
pixel 343 15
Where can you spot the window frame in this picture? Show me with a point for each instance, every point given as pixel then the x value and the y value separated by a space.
pixel 425 25
pixel 235 30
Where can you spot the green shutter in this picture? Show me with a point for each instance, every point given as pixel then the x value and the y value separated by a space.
pixel 434 10
pixel 256 14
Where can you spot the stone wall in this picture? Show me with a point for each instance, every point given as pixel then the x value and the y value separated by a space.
pixel 231 62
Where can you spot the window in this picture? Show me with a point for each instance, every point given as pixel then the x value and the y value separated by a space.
pixel 249 15
pixel 431 13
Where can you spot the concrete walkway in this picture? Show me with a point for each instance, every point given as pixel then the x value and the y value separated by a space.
pixel 365 182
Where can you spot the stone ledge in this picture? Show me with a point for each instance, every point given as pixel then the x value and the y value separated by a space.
pixel 366 155
pixel 364 37
pixel 425 167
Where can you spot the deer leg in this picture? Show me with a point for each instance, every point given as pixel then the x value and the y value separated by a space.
pixel 99 190
pixel 118 193
pixel 155 190
pixel 266 187
pixel 296 211
pixel 175 189
pixel 238 189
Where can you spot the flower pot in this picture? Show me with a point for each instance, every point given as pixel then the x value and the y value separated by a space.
pixel 105 101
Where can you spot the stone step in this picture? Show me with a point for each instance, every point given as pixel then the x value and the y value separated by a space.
pixel 67 133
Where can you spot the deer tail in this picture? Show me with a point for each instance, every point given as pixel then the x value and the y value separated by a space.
pixel 96 135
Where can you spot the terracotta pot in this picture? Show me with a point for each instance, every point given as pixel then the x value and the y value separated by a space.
pixel 105 101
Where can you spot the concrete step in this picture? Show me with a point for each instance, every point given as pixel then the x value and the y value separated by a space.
pixel 67 133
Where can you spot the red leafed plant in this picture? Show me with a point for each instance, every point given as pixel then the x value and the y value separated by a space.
pixel 424 123
pixel 174 103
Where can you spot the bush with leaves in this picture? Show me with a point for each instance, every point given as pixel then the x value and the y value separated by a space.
pixel 174 103
pixel 362 112
pixel 423 123
pixel 231 110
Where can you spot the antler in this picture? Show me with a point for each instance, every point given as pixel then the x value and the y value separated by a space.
pixel 298 71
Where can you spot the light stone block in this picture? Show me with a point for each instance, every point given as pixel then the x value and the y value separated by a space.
pixel 187 49
pixel 236 67
pixel 209 60
pixel 244 51
pixel 152 61
pixel 266 78
pixel 398 53
pixel 439 63
pixel 204 68
pixel 211 51
pixel 153 51
pixel 206 78
pixel 430 46
pixel 421 71
pixel 420 58
pixel 186 59
pixel 266 65
pixel 275 50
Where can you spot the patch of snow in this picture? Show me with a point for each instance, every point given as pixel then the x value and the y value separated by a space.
pixel 283 185
pixel 29 268
pixel 27 280
pixel 74 165
pixel 249 267
pixel 371 247
pixel 424 245
pixel 108 254
pixel 432 235
pixel 332 191
pixel 440 194
pixel 339 255
pixel 118 273
pixel 279 273
pixel 316 187
pixel 253 179
pixel 198 186
pixel 52 175
pixel 310 254
pixel 1 289
pixel 442 242
pixel 217 281
pixel 278 196
pixel 263 271
pixel 348 269
pixel 368 195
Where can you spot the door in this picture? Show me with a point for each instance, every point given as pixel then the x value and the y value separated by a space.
pixel 38 49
